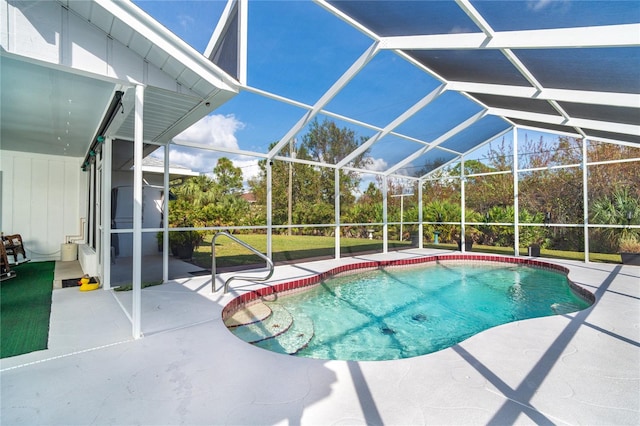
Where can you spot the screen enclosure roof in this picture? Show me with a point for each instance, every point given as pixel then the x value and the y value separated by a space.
pixel 423 82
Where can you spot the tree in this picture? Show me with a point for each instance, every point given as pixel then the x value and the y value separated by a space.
pixel 202 201
pixel 366 209
pixel 619 208
pixel 198 191
pixel 313 187
pixel 327 143
pixel 228 179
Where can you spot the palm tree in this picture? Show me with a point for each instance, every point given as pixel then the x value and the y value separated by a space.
pixel 618 208
pixel 199 191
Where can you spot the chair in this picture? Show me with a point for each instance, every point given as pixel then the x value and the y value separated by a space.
pixel 5 269
pixel 14 246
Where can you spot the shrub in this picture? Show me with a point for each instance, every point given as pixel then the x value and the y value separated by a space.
pixel 629 245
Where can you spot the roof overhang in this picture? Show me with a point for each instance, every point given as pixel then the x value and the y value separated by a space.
pixel 59 76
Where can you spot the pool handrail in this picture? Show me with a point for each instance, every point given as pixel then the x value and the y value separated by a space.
pixel 236 277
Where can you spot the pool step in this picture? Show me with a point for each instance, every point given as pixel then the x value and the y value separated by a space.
pixel 249 315
pixel 294 339
pixel 277 323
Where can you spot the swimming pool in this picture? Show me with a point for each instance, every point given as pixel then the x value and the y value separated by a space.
pixel 392 313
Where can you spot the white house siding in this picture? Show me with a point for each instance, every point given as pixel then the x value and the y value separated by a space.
pixel 42 199
pixel 71 41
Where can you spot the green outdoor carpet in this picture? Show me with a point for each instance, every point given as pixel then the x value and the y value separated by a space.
pixel 25 307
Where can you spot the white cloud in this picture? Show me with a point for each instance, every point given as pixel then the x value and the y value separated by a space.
pixel 217 131
pixel 249 168
pixel 202 161
pixel 376 164
pixel 213 130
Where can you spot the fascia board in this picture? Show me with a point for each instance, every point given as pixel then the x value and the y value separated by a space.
pixel 149 28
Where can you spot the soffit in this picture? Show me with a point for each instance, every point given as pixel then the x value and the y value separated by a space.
pixel 45 110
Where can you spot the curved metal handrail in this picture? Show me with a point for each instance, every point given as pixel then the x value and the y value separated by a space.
pixel 236 277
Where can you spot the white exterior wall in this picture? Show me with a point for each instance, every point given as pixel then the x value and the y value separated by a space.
pixel 43 199
pixel 69 40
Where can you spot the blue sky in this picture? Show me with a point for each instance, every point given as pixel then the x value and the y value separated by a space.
pixel 295 49
pixel 298 50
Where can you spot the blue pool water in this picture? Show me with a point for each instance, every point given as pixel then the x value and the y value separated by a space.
pixel 405 312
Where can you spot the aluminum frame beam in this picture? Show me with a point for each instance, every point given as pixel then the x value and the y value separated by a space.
pixel 626 35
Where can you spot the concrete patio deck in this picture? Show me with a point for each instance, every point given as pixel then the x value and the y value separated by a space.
pixel 582 368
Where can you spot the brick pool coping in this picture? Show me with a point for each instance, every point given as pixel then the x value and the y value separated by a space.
pixel 256 295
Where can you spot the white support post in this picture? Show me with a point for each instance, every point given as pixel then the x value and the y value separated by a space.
pixel 243 40
pixel 420 224
pixel 516 200
pixel 269 210
pixel 107 147
pixel 137 213
pixel 165 215
pixel 585 199
pixel 337 212
pixel 401 215
pixel 385 225
pixel 463 216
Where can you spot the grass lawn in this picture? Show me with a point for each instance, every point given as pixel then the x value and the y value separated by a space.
pixel 293 248
pixel 285 249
